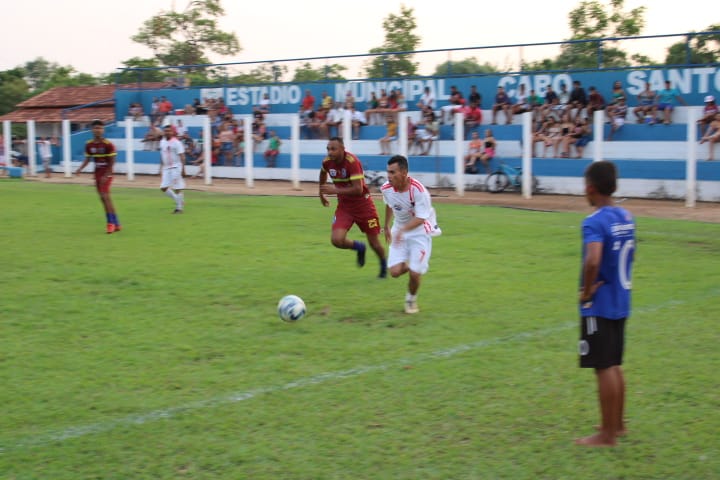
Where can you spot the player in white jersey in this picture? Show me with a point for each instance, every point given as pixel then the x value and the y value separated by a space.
pixel 172 164
pixel 414 225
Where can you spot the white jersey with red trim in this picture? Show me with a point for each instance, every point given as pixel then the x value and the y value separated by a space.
pixel 415 202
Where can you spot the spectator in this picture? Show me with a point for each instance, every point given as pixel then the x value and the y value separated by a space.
pixel 349 100
pixel 226 137
pixel 317 124
pixel 708 114
pixel 473 117
pixel 326 101
pixel 135 111
pixel 595 102
pixel 427 131
pixel 551 99
pixel 563 96
pixel 45 150
pixel 191 150
pixel 165 108
pixel 522 104
pixel 617 119
pixel 264 105
pixel 376 108
pixel 152 137
pixel 335 119
pixel 646 109
pixel 180 128
pixel 427 99
pixel 308 104
pixel 200 108
pixel 617 93
pixel 502 102
pixel 579 136
pixel 578 99
pixel 259 131
pixel 712 136
pixel 474 96
pixel 456 100
pixel 390 135
pixel 535 103
pixel 155 111
pixel 473 153
pixel 666 101
pixel 549 135
pixel 358 120
pixel 489 146
pixel 273 150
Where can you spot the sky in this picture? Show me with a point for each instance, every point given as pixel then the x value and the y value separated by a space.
pixel 93 36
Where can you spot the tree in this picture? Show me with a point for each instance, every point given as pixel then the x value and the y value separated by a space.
pixel 590 22
pixel 13 89
pixel 41 74
pixel 467 66
pixel 183 38
pixel 698 49
pixel 147 72
pixel 399 37
pixel 306 73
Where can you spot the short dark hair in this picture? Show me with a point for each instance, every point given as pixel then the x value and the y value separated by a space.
pixel 336 139
pixel 97 122
pixel 401 161
pixel 603 176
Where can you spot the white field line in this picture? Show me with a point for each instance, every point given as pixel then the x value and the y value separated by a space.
pixel 143 418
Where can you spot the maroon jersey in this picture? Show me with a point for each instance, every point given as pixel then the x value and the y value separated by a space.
pixel 342 174
pixel 102 152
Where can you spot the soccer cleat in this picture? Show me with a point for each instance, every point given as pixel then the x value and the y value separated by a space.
pixel 411 307
pixel 383 273
pixel 361 255
pixel 177 210
pixel 117 227
pixel 110 228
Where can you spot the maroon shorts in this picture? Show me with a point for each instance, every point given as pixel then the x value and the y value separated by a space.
pixel 102 185
pixel 368 222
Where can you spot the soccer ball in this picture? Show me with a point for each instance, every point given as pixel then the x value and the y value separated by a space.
pixel 291 308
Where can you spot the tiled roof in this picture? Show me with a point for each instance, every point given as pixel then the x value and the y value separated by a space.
pixel 47 106
pixel 104 112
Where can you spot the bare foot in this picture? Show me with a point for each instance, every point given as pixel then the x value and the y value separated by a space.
pixel 620 433
pixel 597 440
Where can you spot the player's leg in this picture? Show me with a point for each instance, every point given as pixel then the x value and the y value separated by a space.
pixel 419 251
pixel 179 187
pixel 369 224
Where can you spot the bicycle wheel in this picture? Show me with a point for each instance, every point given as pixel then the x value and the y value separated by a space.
pixel 535 183
pixel 496 182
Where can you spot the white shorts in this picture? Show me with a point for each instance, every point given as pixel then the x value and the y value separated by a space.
pixel 172 177
pixel 414 250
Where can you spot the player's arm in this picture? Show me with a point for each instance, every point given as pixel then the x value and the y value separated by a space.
pixel 388 218
pixel 322 181
pixel 182 163
pixel 82 165
pixel 591 268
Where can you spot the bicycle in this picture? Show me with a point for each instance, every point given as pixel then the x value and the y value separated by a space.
pixel 506 176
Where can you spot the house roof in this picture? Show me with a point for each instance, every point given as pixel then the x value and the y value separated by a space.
pixel 48 106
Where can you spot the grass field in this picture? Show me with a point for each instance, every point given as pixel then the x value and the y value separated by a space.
pixel 156 352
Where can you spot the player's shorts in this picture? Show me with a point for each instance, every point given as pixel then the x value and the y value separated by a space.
pixel 414 250
pixel 172 178
pixel 602 342
pixel 368 223
pixel 103 186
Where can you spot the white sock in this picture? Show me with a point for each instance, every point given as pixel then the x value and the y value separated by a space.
pixel 171 194
pixel 410 298
pixel 180 201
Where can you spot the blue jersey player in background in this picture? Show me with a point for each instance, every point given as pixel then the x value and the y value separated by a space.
pixel 608 252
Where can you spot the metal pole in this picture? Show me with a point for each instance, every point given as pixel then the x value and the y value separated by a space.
pixel 459 160
pixel 129 148
pixel 295 151
pixel 691 163
pixel 67 160
pixel 31 143
pixel 527 155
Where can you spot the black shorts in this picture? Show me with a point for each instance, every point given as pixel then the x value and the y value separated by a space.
pixel 602 342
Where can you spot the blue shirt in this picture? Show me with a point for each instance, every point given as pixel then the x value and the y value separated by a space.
pixel 615 228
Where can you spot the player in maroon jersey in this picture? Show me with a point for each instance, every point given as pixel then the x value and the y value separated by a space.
pixel 355 206
pixel 102 151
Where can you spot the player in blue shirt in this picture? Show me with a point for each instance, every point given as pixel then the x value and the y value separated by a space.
pixel 605 285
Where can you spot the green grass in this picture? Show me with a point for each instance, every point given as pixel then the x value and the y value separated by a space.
pixel 156 353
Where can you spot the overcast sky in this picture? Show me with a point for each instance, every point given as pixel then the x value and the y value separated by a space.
pixel 94 35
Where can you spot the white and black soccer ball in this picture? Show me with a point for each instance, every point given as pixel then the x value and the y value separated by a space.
pixel 291 308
